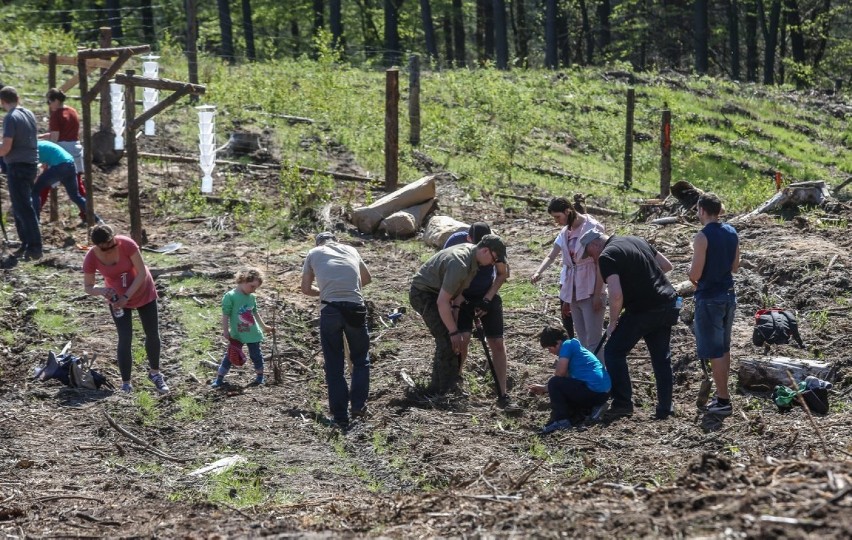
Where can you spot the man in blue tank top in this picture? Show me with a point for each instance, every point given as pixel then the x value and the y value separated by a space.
pixel 716 255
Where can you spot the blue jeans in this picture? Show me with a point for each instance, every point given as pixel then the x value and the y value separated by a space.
pixel 64 173
pixel 255 354
pixel 655 327
pixel 20 179
pixel 714 319
pixel 333 326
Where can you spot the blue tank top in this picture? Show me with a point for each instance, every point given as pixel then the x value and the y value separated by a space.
pixel 716 279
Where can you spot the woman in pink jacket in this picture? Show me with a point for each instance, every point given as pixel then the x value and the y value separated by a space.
pixel 582 287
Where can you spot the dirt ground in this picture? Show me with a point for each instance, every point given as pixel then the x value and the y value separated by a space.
pixel 420 467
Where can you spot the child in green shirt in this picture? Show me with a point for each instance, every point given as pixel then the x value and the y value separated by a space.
pixel 242 325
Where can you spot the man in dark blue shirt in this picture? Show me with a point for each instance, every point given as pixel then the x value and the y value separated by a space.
pixel 716 255
pixel 481 299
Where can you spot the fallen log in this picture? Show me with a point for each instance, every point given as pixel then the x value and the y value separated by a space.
pixel 764 375
pixel 800 193
pixel 367 218
pixel 440 228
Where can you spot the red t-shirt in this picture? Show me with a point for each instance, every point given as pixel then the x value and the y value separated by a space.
pixel 120 275
pixel 66 122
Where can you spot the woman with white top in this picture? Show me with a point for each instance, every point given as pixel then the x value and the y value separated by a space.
pixel 582 286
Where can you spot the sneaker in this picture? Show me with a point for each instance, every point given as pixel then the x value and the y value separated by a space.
pixel 614 413
pixel 508 406
pixel 719 409
pixel 159 382
pixel 20 251
pixel 360 413
pixel 557 425
pixel 217 383
pixel 260 380
pixel 126 388
pixel 33 254
pixel 663 414
pixel 597 413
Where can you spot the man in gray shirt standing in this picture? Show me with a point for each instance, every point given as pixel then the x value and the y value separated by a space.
pixel 340 273
pixel 19 149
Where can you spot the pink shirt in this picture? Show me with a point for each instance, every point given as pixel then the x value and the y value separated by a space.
pixel 120 275
pixel 580 273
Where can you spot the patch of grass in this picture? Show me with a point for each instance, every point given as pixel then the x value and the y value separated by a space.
pixel 54 323
pixel 190 408
pixel 519 293
pixel 239 486
pixel 146 406
pixel 380 442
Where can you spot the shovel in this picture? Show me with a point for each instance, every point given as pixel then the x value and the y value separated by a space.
pixel 480 335
pixel 706 385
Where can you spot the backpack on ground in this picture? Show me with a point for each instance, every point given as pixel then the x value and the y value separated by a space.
pixel 775 326
pixel 72 371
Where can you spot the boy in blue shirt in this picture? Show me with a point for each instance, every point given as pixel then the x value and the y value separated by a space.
pixel 58 169
pixel 579 386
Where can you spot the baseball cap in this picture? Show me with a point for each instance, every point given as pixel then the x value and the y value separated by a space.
pixel 324 237
pixel 587 238
pixel 495 244
pixel 478 230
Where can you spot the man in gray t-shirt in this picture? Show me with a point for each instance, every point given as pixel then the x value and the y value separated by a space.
pixel 19 149
pixel 340 273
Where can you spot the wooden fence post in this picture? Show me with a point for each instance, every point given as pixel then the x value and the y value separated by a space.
pixel 666 153
pixel 414 99
pixel 86 106
pixel 391 129
pixel 130 150
pixel 51 83
pixel 628 139
pixel 105 42
pixel 192 45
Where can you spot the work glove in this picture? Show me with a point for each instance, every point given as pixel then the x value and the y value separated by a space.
pixel 482 307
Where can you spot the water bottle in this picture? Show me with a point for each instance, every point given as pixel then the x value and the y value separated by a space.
pixel 679 302
pixel 117 312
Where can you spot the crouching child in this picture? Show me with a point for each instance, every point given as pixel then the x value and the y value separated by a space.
pixel 580 385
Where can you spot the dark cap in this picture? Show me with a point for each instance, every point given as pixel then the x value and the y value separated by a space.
pixel 587 238
pixel 495 244
pixel 324 237
pixel 478 230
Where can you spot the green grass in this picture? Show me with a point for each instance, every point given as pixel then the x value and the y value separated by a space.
pixel 190 408
pixel 240 486
pixel 146 406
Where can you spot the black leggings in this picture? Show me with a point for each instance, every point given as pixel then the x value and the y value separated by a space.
pixel 151 326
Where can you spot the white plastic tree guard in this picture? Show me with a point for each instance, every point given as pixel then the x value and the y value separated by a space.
pixel 116 98
pixel 150 96
pixel 207 145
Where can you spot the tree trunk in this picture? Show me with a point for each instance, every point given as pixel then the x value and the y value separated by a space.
pixel 392 52
pixel 770 39
pixel 604 11
pixel 458 33
pixel 447 27
pixel 295 35
pixel 335 20
pixel 587 33
pixel 113 14
pixel 734 37
pixel 550 60
pixel 563 37
pixel 148 22
pixel 490 30
pixel 319 15
pixel 522 33
pixel 797 41
pixel 826 29
pixel 248 30
pixel 428 29
pixel 751 41
pixel 226 29
pixel 501 34
pixel 372 39
pixel 782 49
pixel 701 36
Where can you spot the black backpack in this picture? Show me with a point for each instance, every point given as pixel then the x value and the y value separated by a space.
pixel 72 371
pixel 775 326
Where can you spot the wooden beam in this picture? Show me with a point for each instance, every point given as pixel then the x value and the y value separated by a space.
pixel 140 120
pixel 160 84
pixel 70 83
pixel 72 61
pixel 111 53
pixel 123 57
